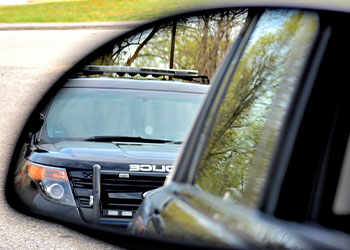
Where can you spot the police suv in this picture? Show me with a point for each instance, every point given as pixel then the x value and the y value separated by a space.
pixel 104 142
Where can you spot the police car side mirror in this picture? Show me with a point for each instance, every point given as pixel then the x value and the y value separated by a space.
pixel 36 123
pixel 52 180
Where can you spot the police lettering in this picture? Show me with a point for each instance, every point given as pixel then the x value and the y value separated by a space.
pixel 150 168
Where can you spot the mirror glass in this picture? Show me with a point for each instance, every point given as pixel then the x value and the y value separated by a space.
pixel 112 132
pixel 216 198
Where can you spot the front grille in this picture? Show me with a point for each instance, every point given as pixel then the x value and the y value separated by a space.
pixel 121 192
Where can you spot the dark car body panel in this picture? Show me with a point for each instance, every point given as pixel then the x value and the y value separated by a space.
pixel 156 85
pixel 112 156
pixel 167 209
pixel 79 157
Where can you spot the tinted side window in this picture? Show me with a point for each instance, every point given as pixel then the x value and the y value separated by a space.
pixel 242 141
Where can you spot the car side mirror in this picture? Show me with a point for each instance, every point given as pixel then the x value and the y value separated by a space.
pixel 93 162
pixel 114 124
pixel 36 123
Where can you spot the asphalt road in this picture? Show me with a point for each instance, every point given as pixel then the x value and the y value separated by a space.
pixel 29 63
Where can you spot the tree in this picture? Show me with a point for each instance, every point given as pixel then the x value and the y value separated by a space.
pixel 232 145
pixel 199 43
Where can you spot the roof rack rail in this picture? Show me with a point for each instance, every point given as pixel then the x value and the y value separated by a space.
pixel 189 75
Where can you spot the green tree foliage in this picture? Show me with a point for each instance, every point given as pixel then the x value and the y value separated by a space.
pixel 200 43
pixel 232 145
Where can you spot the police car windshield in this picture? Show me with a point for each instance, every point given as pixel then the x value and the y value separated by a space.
pixel 81 113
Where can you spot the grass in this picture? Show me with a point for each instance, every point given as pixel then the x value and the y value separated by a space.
pixel 92 10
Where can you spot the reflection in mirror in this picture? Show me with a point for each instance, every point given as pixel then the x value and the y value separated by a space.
pixel 193 43
pixel 216 200
pixel 112 132
pixel 241 143
pixel 254 106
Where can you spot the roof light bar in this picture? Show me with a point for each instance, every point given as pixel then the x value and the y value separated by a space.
pixel 188 75
pixel 143 71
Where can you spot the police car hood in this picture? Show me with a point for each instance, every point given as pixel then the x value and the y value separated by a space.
pixel 117 156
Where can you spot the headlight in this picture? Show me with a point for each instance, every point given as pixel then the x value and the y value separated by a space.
pixel 53 182
pixel 56 191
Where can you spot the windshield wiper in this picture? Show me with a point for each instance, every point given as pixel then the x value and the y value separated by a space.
pixel 175 142
pixel 125 139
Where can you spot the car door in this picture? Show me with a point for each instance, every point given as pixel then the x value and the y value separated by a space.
pixel 263 162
